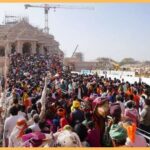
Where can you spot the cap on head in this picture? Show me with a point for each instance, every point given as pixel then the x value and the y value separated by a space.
pixel 76 104
pixel 117 132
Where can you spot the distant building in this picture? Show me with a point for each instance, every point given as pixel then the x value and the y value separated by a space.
pixel 78 56
pixel 77 63
pixel 85 65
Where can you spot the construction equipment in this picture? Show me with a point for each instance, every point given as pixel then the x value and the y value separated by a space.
pixel 75 50
pixel 11 20
pixel 47 7
pixel 70 64
pixel 116 66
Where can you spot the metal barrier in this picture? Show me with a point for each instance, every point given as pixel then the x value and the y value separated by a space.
pixel 145 134
pixel 143 131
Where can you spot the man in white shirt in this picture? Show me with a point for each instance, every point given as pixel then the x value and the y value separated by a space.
pixel 142 102
pixel 10 123
pixel 35 125
pixel 17 133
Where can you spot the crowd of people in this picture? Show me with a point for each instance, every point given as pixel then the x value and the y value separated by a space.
pixel 45 106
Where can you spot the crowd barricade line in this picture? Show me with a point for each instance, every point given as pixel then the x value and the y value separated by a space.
pixel 143 131
pixel 145 136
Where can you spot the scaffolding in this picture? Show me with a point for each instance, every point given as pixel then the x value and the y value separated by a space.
pixel 12 19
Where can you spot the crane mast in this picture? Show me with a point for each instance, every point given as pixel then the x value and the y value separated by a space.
pixel 46 29
pixel 47 7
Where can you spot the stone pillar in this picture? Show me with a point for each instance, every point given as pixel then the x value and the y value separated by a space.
pixel 19 47
pixel 41 49
pixel 7 48
pixel 33 47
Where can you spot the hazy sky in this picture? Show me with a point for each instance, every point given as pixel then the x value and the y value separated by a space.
pixel 111 30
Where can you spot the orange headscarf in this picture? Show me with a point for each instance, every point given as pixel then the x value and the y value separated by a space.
pixel 131 131
pixel 27 102
pixel 20 123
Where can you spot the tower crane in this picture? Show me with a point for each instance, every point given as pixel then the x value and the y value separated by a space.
pixel 47 7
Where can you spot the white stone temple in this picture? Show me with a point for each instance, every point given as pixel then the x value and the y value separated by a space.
pixel 24 38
